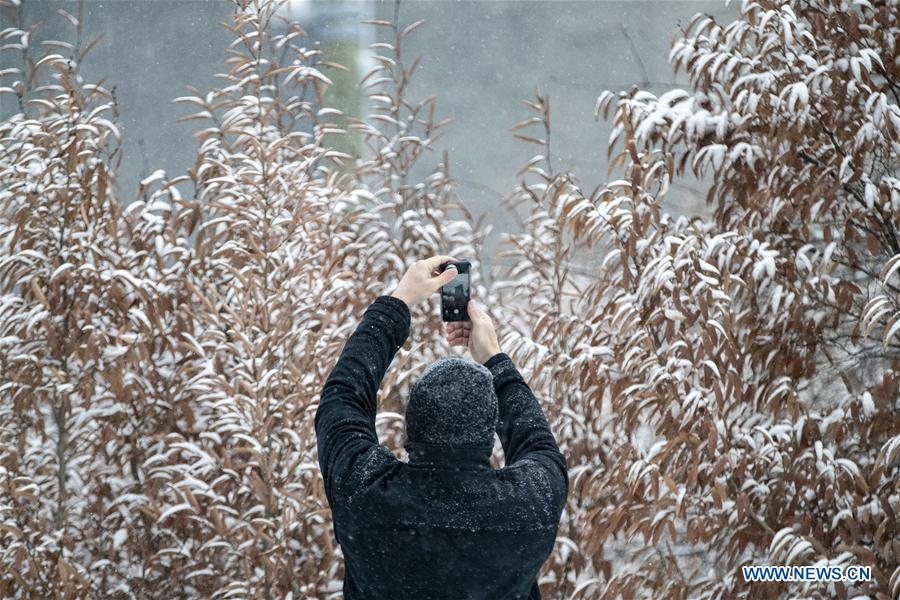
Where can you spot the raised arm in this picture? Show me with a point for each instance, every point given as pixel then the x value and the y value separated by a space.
pixel 345 418
pixel 522 427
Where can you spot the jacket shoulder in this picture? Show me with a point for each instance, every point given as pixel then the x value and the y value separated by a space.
pixel 538 485
pixel 367 469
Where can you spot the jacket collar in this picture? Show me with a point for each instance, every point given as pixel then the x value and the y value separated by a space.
pixel 452 456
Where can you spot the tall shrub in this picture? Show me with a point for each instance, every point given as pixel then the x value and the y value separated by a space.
pixel 162 359
pixel 727 390
pixel 80 307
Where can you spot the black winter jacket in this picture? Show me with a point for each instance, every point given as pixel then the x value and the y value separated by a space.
pixel 446 524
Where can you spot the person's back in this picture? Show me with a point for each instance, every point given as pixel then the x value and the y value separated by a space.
pixel 446 524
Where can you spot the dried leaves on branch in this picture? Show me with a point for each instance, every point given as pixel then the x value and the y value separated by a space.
pixel 162 358
pixel 725 391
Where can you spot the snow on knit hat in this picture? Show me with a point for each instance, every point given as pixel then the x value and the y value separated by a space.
pixel 453 403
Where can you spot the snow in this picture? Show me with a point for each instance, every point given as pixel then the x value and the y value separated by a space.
pixel 688 353
pixel 868 406
pixel 764 266
pixel 119 537
pixel 173 510
pixel 157 175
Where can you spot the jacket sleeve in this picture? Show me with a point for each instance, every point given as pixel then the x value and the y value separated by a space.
pixel 345 418
pixel 522 427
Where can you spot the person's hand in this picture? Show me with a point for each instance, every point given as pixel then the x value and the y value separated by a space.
pixel 478 334
pixel 422 279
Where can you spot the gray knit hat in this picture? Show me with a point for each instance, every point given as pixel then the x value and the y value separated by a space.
pixel 453 403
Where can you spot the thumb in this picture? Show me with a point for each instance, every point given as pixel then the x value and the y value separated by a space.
pixel 475 312
pixel 448 275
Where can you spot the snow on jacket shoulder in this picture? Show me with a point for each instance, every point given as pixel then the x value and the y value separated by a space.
pixel 446 524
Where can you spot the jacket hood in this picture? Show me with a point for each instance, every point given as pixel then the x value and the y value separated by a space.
pixel 452 403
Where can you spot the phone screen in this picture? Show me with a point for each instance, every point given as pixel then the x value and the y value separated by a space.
pixel 456 293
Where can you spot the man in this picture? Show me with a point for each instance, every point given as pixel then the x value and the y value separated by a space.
pixel 446 524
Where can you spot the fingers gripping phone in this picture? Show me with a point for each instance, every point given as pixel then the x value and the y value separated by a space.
pixel 455 295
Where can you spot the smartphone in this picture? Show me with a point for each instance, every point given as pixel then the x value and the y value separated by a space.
pixel 455 295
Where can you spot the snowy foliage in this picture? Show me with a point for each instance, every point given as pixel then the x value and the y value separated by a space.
pixel 726 392
pixel 162 360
